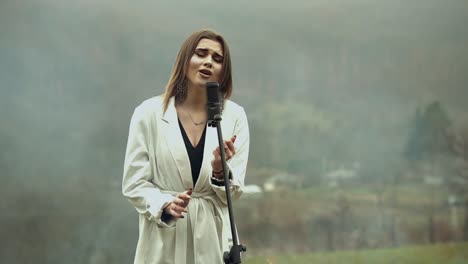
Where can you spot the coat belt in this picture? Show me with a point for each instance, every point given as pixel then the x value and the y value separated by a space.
pixel 182 224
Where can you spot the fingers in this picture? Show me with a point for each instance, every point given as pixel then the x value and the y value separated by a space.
pixel 176 210
pixel 229 149
pixel 230 145
pixel 178 206
pixel 227 152
pixel 184 198
pixel 185 195
pixel 180 202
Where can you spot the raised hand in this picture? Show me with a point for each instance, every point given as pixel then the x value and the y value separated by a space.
pixel 178 206
pixel 229 151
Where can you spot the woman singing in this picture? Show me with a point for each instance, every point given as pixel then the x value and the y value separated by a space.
pixel 173 172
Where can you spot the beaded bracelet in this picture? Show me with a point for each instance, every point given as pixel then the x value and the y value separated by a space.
pixel 217 181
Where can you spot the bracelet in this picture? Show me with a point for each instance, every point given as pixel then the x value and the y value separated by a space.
pixel 216 181
pixel 216 178
pixel 218 172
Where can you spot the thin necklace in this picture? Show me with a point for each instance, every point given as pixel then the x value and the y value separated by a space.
pixel 193 121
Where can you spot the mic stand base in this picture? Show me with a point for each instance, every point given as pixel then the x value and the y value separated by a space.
pixel 234 256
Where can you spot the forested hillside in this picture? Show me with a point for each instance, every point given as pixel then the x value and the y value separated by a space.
pixel 330 88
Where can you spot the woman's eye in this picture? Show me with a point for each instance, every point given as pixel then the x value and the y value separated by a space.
pixel 218 59
pixel 200 53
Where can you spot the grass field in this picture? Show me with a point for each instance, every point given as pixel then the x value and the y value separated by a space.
pixel 433 254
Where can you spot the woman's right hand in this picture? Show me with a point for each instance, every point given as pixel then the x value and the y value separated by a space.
pixel 179 204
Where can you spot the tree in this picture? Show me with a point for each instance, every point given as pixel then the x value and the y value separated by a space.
pixel 458 183
pixel 428 136
pixel 428 151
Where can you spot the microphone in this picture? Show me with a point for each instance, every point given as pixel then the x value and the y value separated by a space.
pixel 213 104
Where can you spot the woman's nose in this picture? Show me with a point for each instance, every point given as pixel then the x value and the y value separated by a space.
pixel 208 61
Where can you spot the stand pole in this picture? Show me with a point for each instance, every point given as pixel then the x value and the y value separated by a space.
pixel 233 256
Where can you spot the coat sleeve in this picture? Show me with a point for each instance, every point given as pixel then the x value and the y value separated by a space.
pixel 136 184
pixel 238 163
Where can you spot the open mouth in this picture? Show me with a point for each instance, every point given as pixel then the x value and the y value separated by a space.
pixel 205 73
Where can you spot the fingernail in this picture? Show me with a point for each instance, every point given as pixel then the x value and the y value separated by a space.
pixel 182 216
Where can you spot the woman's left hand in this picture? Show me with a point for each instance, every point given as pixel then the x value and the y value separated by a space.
pixel 229 151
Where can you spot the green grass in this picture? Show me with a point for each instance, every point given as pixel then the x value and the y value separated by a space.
pixel 433 254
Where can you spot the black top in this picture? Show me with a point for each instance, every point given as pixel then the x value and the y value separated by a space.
pixel 195 153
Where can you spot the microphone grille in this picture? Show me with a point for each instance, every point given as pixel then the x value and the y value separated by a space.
pixel 212 91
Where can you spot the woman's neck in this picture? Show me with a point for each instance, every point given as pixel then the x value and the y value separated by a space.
pixel 196 99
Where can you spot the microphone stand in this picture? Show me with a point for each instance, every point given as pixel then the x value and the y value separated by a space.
pixel 233 256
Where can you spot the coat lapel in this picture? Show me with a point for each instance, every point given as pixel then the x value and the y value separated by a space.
pixel 177 148
pixel 176 145
pixel 211 141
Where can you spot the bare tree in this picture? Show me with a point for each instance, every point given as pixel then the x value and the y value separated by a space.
pixel 459 182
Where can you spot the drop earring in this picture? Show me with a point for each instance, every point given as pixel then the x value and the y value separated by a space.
pixel 181 91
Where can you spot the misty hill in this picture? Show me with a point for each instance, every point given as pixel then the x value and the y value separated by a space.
pixel 71 73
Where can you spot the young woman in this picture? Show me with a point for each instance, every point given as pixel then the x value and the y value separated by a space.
pixel 173 173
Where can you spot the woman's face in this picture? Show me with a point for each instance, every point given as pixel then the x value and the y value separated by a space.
pixel 206 64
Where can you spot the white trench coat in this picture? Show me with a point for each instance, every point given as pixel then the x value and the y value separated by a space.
pixel 157 167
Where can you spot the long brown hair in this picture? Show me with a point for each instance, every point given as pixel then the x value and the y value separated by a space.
pixel 179 70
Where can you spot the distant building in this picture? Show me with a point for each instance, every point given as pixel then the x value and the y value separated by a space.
pixel 282 181
pixel 335 177
pixel 252 190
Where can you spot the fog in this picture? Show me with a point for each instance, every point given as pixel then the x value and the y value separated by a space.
pixel 357 109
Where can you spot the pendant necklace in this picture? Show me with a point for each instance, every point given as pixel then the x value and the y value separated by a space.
pixel 193 121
